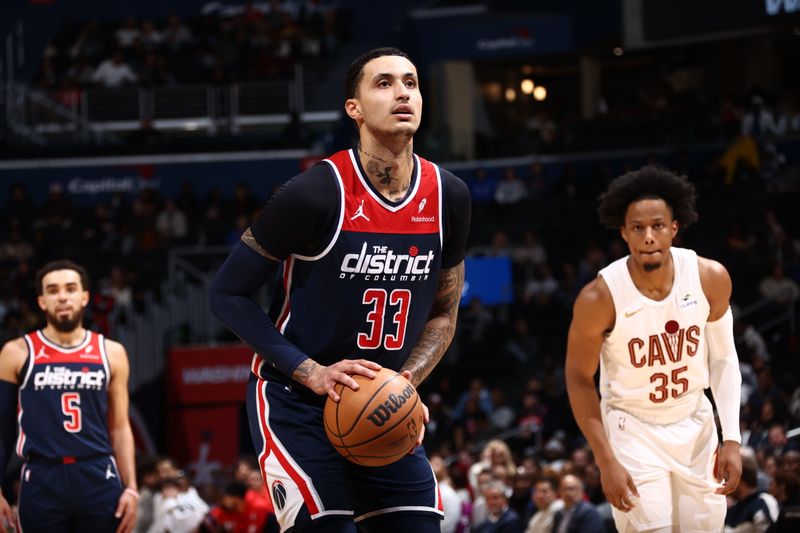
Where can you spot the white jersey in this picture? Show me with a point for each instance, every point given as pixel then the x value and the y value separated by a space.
pixel 653 363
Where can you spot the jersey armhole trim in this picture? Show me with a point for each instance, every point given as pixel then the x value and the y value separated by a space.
pixel 335 237
pixel 28 365
pixel 440 187
pixel 101 341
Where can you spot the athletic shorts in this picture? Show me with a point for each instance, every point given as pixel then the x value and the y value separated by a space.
pixel 301 468
pixel 672 466
pixel 69 498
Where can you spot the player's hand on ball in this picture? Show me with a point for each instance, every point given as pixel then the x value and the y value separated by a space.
pixel 729 467
pixel 323 379
pixel 618 486
pixel 407 374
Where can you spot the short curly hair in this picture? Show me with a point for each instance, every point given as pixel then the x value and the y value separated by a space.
pixel 649 182
pixel 356 70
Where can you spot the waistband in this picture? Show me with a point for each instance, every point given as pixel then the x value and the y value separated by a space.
pixel 65 459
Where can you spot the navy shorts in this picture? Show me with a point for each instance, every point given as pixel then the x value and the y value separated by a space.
pixel 301 467
pixel 66 498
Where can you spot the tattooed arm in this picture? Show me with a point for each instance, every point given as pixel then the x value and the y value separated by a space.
pixel 440 328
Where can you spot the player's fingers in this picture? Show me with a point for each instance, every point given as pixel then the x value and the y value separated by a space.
pixel 362 370
pixel 372 365
pixel 426 415
pixel 130 522
pixel 120 507
pixel 632 486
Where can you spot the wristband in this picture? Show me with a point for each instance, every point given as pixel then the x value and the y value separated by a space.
pixel 132 492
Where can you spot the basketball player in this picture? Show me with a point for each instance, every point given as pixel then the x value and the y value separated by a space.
pixel 368 248
pixel 659 324
pixel 67 387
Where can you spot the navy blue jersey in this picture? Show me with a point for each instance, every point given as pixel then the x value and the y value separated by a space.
pixel 63 398
pixel 368 290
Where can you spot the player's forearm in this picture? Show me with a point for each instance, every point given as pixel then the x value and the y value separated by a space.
pixel 431 345
pixel 123 446
pixel 585 405
pixel 724 375
pixel 440 328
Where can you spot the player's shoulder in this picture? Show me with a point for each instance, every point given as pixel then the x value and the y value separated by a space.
pixel 595 292
pixel 14 347
pixel 714 279
pixel 315 182
pixel 454 191
pixel 594 307
pixel 452 182
pixel 12 358
pixel 114 348
pixel 712 271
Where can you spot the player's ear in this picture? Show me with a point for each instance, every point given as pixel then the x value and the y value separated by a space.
pixel 85 298
pixel 675 227
pixel 40 301
pixel 352 108
pixel 623 233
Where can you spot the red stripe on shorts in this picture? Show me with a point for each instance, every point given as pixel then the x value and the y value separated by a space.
pixel 296 477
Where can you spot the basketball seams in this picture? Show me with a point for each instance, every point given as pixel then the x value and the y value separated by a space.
pixel 363 409
pixel 389 429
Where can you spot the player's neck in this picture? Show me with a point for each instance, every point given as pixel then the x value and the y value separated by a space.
pixel 66 339
pixel 388 165
pixel 654 284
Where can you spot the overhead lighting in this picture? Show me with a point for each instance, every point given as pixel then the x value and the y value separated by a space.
pixel 526 86
pixel 618 51
pixel 539 93
pixel 511 95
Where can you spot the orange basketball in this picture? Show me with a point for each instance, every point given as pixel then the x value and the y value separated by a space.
pixel 377 424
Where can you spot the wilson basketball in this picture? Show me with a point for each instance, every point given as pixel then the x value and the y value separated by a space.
pixel 377 424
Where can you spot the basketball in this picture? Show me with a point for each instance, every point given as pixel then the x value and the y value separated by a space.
pixel 377 424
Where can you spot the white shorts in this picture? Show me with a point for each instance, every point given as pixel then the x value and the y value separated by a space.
pixel 672 467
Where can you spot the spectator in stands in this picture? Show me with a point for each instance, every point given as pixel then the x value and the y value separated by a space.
pixel 176 35
pixel 451 502
pixel 511 190
pixel 501 518
pixel 232 514
pixel 779 289
pixel 759 122
pixel 150 37
pixel 171 223
pixel 530 252
pixel 177 507
pixel 786 489
pixel 545 498
pixel 754 511
pixel 577 516
pixel 128 34
pixel 114 72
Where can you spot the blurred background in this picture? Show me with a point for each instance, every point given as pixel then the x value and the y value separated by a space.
pixel 140 138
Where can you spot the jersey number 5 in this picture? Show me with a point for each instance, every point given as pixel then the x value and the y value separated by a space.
pixel 375 318
pixel 71 406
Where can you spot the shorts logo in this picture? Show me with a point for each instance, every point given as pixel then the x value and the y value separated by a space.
pixel 109 473
pixel 28 474
pixel 621 423
pixel 278 495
